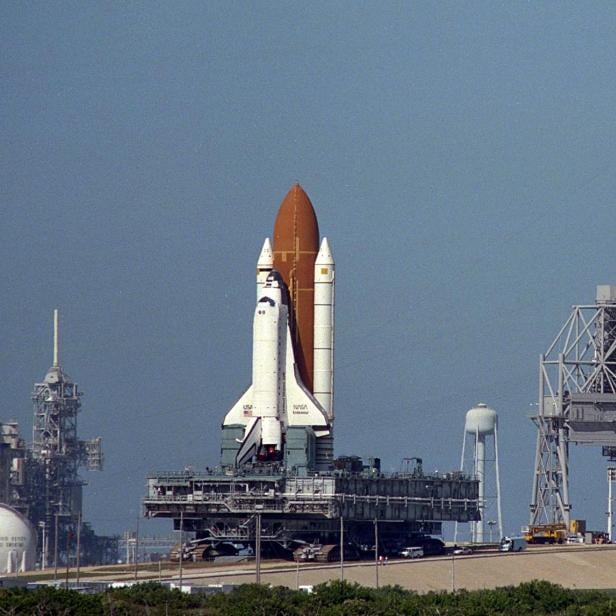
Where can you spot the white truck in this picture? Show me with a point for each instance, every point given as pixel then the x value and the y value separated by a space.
pixel 412 552
pixel 513 544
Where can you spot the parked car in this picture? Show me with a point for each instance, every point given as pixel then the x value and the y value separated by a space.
pixel 462 551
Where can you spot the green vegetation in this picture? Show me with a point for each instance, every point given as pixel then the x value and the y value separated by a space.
pixel 332 599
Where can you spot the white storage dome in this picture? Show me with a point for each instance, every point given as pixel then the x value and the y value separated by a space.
pixel 481 419
pixel 17 541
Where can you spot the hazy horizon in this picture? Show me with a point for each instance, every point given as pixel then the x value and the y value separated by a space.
pixel 457 156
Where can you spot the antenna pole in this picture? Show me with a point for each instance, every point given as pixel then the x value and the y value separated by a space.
pixel 56 338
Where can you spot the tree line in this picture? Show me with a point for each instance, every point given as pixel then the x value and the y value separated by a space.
pixel 331 599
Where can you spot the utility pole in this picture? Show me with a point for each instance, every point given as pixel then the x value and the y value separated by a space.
pixel 78 545
pixel 68 550
pixel 258 547
pixel 55 551
pixel 137 547
pixel 181 548
pixel 341 548
pixel 376 550
pixel 611 477
pixel 491 524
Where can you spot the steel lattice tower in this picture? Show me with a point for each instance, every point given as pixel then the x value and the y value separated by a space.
pixel 57 453
pixel 577 402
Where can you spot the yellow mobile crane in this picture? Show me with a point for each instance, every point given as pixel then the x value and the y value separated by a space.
pixel 552 533
pixel 545 533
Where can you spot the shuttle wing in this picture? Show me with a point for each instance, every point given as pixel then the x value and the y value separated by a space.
pixel 241 411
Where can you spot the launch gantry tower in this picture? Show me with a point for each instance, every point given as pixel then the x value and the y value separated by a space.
pixel 577 402
pixel 55 490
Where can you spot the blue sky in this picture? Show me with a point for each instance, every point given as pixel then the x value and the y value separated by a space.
pixel 459 155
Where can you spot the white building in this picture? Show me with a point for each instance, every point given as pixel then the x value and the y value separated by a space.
pixel 17 541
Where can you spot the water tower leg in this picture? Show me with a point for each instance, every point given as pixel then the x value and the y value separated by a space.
pixel 481 466
pixel 499 510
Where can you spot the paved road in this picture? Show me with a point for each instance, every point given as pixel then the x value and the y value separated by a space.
pixel 575 566
pixel 570 566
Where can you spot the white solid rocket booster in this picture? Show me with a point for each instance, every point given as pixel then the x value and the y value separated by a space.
pixel 324 282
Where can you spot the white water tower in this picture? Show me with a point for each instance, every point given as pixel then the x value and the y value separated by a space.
pixel 481 428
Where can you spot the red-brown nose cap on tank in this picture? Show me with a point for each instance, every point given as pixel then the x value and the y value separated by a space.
pixel 296 244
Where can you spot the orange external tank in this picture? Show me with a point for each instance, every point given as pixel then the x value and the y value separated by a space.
pixel 296 244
